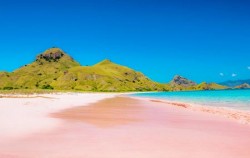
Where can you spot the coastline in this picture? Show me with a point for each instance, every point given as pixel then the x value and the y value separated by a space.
pixel 61 100
pixel 19 114
pixel 126 127
pixel 241 116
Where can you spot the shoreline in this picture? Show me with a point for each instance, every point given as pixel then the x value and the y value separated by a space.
pixel 126 127
pixel 37 95
pixel 239 116
pixel 242 117
pixel 22 115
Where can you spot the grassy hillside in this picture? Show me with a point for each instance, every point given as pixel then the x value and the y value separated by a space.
pixel 209 86
pixel 105 76
pixel 182 84
pixel 5 81
pixel 46 68
pixel 54 69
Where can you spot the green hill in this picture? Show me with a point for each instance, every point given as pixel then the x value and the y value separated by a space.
pixel 47 67
pixel 54 69
pixel 210 86
pixel 5 81
pixel 180 83
pixel 105 76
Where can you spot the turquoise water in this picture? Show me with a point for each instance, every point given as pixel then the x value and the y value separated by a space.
pixel 236 99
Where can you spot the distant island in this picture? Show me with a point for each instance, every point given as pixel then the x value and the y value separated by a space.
pixel 237 83
pixel 56 70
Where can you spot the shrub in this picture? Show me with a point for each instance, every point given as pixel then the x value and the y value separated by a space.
pixel 47 86
pixel 8 88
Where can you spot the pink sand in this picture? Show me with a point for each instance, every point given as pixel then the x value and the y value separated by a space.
pixel 130 128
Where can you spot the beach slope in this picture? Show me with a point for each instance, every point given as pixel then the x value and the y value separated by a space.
pixel 122 127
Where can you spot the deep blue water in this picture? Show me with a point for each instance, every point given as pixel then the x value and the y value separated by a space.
pixel 236 99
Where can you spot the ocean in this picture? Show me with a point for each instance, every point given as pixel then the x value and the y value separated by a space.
pixel 234 99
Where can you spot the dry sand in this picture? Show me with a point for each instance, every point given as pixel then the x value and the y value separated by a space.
pixel 123 127
pixel 25 114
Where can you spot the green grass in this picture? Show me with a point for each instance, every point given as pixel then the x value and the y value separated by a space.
pixel 54 70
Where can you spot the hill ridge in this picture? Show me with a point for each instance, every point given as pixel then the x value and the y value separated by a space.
pixel 55 69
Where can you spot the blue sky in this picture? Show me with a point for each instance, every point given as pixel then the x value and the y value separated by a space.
pixel 199 39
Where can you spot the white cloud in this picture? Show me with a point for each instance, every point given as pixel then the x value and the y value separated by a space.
pixel 248 67
pixel 221 74
pixel 233 74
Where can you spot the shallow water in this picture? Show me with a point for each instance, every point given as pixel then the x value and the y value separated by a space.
pixel 236 99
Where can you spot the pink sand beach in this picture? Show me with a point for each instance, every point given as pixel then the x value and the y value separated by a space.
pixel 115 126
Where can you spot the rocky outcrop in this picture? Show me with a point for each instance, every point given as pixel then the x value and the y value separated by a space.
pixel 51 54
pixel 243 86
pixel 182 81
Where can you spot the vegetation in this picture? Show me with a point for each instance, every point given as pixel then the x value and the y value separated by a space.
pixel 55 70
pixel 47 87
pixel 180 83
pixel 8 88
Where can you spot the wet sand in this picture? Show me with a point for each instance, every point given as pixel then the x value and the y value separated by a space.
pixel 124 127
pixel 240 116
pixel 108 113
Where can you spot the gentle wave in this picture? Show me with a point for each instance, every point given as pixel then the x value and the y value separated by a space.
pixel 235 99
pixel 232 104
pixel 242 117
